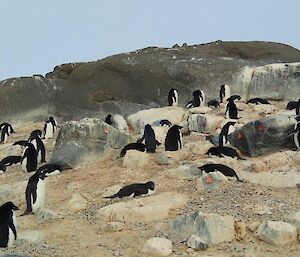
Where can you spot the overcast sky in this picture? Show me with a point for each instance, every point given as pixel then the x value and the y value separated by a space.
pixel 37 35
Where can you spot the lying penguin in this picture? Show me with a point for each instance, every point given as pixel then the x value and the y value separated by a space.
pixel 137 189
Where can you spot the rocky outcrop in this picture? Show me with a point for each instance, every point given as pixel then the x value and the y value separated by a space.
pixel 265 135
pixel 150 208
pixel 80 142
pixel 129 82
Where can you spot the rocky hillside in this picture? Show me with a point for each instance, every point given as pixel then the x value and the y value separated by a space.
pixel 128 82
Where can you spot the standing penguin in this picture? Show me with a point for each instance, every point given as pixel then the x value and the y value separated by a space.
pixel 35 192
pixel 173 97
pixel 150 140
pixel 39 146
pixel 199 99
pixel 231 109
pixel 29 157
pixel 223 138
pixel 224 92
pixel 296 134
pixel 4 134
pixel 173 141
pixel 50 127
pixel 8 226
pixel 10 128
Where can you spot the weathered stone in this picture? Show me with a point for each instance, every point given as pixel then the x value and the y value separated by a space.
pixel 184 171
pixel 151 208
pixel 4 193
pixel 211 227
pixel 265 135
pixel 43 215
pixel 240 230
pixel 77 203
pixel 134 158
pixel 171 157
pixel 253 225
pixel 196 243
pixel 277 232
pixel 174 114
pixel 32 236
pixel 158 246
pixel 80 142
pixel 200 110
pixel 204 123
pixel 112 227
pixel 211 181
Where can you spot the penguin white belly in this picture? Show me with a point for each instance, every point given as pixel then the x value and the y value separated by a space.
pixel 11 235
pixel 5 137
pixel 227 92
pixel 231 129
pixel 49 131
pixel 34 143
pixel 175 100
pixel 39 157
pixel 24 164
pixel 180 140
pixel 296 139
pixel 53 173
pixel 40 196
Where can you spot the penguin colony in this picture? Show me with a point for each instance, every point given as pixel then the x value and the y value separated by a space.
pixel 34 153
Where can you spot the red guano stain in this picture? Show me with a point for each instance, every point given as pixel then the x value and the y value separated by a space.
pixel 239 135
pixel 260 127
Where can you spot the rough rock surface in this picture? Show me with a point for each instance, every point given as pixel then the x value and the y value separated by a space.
pixel 277 232
pixel 171 157
pixel 264 136
pixel 143 78
pixel 80 142
pixel 211 227
pixel 158 246
pixel 134 158
pixel 143 209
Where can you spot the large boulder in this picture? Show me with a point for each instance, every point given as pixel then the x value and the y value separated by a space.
pixel 204 123
pixel 80 142
pixel 211 227
pixel 174 114
pixel 150 208
pixel 134 159
pixel 264 136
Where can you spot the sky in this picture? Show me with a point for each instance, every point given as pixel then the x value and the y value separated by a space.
pixel 37 35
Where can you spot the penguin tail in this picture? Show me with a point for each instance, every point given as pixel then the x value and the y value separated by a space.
pixel 243 159
pixel 111 196
pixel 239 180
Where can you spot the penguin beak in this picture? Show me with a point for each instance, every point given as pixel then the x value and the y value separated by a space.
pixel 16 208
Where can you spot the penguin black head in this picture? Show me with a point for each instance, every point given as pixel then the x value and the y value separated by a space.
pixel 177 126
pixel 150 185
pixel 108 119
pixel 165 123
pixel 9 206
pixel 197 93
pixel 291 105
pixel 230 123
pixel 233 98
pixel 35 133
pixel 148 127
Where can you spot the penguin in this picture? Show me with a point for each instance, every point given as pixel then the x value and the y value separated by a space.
pixel 223 151
pixel 225 170
pixel 292 105
pixel 4 134
pixel 49 128
pixel 39 146
pixel 173 141
pixel 108 119
pixel 224 92
pixel 35 192
pixel 150 140
pixel 234 97
pixel 231 109
pixel 298 107
pixel 215 103
pixel 223 137
pixel 296 134
pixel 199 99
pixel 257 100
pixel 50 169
pixel 35 133
pixel 8 161
pixel 173 97
pixel 133 146
pixel 10 128
pixel 8 226
pixel 165 123
pixel 29 157
pixel 137 189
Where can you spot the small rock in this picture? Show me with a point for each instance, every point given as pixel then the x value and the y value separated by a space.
pixel 277 232
pixel 158 246
pixel 196 243
pixel 77 203
pixel 32 236
pixel 253 225
pixel 112 227
pixel 184 171
pixel 4 193
pixel 43 215
pixel 134 158
pixel 261 210
pixel 169 157
pixel 240 230
pixel 211 181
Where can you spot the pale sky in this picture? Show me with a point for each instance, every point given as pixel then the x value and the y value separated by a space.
pixel 37 35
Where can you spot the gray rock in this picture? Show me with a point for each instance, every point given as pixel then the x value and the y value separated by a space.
pixel 112 227
pixel 196 243
pixel 158 246
pixel 184 171
pixel 211 227
pixel 134 159
pixel 211 181
pixel 265 135
pixel 171 157
pixel 43 215
pixel 277 232
pixel 77 203
pixel 4 193
pixel 87 140
pixel 32 236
